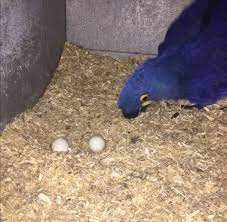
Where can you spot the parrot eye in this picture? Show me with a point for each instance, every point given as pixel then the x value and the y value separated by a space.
pixel 144 98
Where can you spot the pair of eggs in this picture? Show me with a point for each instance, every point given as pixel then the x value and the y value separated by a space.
pixel 96 144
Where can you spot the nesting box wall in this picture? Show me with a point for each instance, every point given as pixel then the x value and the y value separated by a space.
pixel 32 33
pixel 121 26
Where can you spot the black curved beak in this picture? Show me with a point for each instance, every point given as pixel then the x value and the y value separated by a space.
pixel 130 115
pixel 134 114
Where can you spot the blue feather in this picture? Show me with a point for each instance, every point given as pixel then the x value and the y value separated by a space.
pixel 207 78
pixel 192 66
pixel 188 25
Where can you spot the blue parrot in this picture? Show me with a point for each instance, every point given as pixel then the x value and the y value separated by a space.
pixel 191 62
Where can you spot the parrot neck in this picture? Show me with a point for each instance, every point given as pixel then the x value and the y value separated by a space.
pixel 170 75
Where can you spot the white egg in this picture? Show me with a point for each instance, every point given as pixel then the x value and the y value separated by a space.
pixel 60 145
pixel 96 143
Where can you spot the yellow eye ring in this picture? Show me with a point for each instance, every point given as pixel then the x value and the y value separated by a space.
pixel 144 101
pixel 144 98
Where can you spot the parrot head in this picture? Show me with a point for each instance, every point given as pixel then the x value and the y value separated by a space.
pixel 147 83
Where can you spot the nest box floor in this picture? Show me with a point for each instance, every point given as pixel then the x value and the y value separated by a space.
pixel 167 165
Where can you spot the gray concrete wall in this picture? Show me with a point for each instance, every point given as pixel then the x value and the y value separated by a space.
pixel 126 26
pixel 32 34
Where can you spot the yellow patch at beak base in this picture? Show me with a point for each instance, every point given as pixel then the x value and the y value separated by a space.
pixel 147 103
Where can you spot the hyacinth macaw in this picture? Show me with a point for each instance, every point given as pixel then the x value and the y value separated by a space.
pixel 191 63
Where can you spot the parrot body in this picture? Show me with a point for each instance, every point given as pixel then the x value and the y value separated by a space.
pixel 191 63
